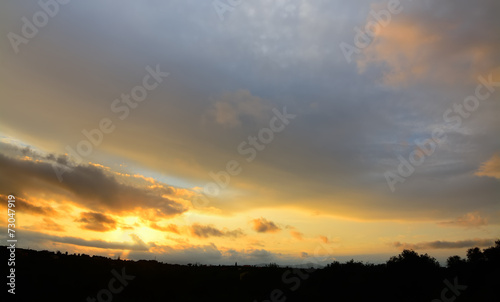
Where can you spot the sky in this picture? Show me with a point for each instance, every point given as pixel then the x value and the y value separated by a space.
pixel 251 131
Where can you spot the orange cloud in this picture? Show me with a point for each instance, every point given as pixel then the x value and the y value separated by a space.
pixel 468 220
pixel 436 49
pixel 263 225
pixel 49 224
pixel 90 186
pixel 404 49
pixel 172 228
pixel 324 239
pixel 490 168
pixel 297 235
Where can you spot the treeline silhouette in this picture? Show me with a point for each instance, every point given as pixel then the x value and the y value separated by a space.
pixel 410 276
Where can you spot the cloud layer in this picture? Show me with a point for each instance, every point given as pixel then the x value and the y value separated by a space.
pixel 324 171
pixel 446 244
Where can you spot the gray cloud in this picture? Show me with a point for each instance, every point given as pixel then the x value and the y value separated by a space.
pixel 206 254
pixel 446 244
pixel 205 231
pixel 97 222
pixel 39 238
pixel 252 256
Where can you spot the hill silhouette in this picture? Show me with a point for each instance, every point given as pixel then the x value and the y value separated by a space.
pixel 409 276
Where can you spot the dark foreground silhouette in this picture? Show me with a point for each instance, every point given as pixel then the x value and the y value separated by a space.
pixel 49 276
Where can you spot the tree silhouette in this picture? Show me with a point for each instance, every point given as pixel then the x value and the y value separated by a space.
pixel 492 254
pixel 475 256
pixel 412 260
pixel 409 277
pixel 455 262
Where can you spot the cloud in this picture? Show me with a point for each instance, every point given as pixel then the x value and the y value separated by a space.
pixel 324 239
pixel 293 60
pixel 435 42
pixel 33 209
pixel 171 228
pixel 297 235
pixel 36 237
pixel 182 254
pixel 138 241
pixel 233 107
pixel 97 222
pixel 262 225
pixel 446 244
pixel 251 255
pixel 406 40
pixel 490 168
pixel 49 224
pixel 209 254
pixel 287 55
pixel 468 220
pixel 91 186
pixel 261 254
pixel 205 231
